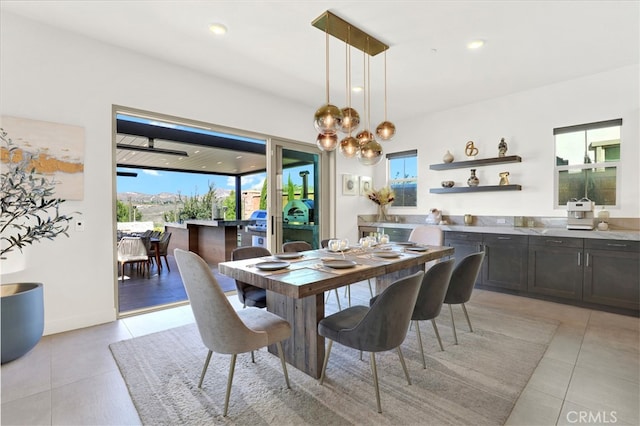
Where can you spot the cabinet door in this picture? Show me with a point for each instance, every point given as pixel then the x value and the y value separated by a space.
pixel 555 267
pixel 505 261
pixel 464 243
pixel 611 276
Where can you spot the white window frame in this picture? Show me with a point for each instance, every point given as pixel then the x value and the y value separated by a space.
pixel 607 164
pixel 391 181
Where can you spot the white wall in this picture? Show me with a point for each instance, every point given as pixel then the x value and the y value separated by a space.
pixel 51 75
pixel 526 120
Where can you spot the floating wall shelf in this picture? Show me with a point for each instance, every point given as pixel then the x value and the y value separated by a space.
pixel 474 163
pixel 483 188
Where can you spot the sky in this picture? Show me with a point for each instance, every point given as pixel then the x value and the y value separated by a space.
pixel 158 181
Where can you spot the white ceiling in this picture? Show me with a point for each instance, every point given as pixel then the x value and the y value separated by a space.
pixel 271 45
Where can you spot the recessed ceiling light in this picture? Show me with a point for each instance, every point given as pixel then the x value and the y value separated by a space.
pixel 196 151
pixel 219 162
pixel 218 29
pixel 357 89
pixel 475 44
pixel 238 157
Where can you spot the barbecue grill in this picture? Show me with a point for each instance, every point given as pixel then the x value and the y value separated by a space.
pixel 260 221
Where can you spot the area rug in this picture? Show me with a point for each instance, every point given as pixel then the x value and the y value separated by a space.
pixel 474 383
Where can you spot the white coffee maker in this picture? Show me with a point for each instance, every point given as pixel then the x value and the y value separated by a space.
pixel 580 214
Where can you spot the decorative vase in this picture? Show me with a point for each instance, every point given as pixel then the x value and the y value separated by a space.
pixel 448 157
pixel 22 318
pixel 473 179
pixel 382 213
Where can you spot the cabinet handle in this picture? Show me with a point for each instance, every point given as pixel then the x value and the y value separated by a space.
pixel 555 241
pixel 504 238
pixel 579 262
pixel 616 245
pixel 586 263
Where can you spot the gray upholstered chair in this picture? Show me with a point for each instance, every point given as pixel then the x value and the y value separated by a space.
pixel 248 294
pixel 461 286
pixel 222 329
pixel 380 327
pixel 430 299
pixel 296 246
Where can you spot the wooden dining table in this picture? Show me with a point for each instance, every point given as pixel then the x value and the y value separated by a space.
pixel 295 291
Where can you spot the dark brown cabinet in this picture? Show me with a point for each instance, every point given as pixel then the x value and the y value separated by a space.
pixel 464 243
pixel 505 260
pixel 505 264
pixel 555 267
pixel 611 270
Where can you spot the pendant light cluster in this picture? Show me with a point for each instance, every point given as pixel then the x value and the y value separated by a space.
pixel 329 120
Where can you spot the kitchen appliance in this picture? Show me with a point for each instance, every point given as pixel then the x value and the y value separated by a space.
pixel 259 218
pixel 580 214
pixel 300 212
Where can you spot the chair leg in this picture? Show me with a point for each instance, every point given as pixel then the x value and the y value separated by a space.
pixel 349 293
pixel 453 325
pixel 338 299
pixel 284 364
pixel 229 381
pixel 370 288
pixel 464 309
pixel 424 364
pixel 435 328
pixel 253 358
pixel 374 371
pixel 167 262
pixel 404 366
pixel 204 369
pixel 326 360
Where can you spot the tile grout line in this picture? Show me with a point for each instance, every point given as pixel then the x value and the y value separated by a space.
pixel 573 369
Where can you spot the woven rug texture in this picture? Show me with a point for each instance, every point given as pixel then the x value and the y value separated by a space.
pixel 474 383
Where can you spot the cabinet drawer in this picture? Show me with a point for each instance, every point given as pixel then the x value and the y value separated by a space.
pixel 618 245
pixel 463 236
pixel 556 242
pixel 505 239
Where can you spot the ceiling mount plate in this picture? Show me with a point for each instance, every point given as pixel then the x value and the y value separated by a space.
pixel 350 34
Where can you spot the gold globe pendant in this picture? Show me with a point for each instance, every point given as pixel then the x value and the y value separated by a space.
pixel 386 130
pixel 350 120
pixel 327 119
pixel 371 153
pixel 349 147
pixel 327 142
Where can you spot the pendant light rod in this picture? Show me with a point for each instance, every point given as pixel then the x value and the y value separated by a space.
pixel 385 85
pixel 326 50
pixel 343 30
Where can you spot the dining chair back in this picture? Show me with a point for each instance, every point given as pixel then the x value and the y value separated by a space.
pixel 132 250
pixel 463 279
pixel 296 246
pixel 221 328
pixel 163 247
pixel 430 299
pixel 248 294
pixel 428 235
pixel 380 327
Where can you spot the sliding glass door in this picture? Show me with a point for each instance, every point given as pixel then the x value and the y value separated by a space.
pixel 300 195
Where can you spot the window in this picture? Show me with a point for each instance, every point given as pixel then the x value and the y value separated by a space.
pixel 402 175
pixel 587 162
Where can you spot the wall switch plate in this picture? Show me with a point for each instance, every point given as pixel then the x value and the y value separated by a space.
pixel 502 221
pixel 79 226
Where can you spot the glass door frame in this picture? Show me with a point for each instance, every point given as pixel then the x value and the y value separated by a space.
pixel 324 196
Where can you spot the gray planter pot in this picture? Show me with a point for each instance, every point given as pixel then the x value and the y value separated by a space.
pixel 22 323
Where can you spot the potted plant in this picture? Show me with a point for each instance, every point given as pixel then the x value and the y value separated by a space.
pixel 29 213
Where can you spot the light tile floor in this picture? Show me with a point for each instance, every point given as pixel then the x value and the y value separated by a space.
pixel 588 375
